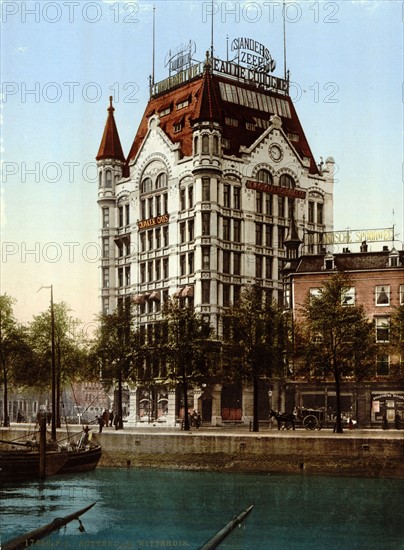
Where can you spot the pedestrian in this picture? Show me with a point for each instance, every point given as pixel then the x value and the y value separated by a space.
pixel 100 423
pixel 117 421
pixel 350 424
pixel 397 421
pixel 111 418
pixel 105 417
pixel 385 424
pixel 86 436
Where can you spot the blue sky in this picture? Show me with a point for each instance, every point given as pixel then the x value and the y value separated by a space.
pixel 61 60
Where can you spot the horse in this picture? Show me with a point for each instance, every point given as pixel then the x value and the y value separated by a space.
pixel 283 418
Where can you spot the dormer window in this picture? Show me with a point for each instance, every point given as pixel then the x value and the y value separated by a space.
pixel 230 121
pixel 393 258
pixel 329 261
pixel 182 104
pixel 177 127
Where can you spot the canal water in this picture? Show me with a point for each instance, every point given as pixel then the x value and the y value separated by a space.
pixel 142 509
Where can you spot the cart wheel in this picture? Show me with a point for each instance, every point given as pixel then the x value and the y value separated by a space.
pixel 310 422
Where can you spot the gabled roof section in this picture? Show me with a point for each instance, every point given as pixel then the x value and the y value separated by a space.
pixel 243 109
pixel 110 147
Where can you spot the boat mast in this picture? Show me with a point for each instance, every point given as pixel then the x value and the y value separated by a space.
pixel 53 423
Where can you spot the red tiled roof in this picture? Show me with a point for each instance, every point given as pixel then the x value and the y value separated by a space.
pixel 110 147
pixel 206 103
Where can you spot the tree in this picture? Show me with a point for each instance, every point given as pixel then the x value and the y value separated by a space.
pixel 256 333
pixel 70 351
pixel 338 340
pixel 118 349
pixel 185 347
pixel 15 352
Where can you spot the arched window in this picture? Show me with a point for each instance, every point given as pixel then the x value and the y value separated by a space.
pixel 147 185
pixel 264 176
pixel 161 180
pixel 108 178
pixel 215 145
pixel 196 142
pixel 100 178
pixel 205 144
pixel 287 181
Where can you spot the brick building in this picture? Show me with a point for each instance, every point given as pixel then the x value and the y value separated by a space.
pixel 377 280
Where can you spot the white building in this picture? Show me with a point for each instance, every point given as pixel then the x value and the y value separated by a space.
pixel 202 203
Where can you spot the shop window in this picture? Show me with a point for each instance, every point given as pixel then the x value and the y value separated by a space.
pixel 382 295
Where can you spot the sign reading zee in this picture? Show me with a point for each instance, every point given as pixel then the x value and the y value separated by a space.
pixel 253 54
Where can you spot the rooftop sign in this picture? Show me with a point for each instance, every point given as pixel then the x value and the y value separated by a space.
pixel 253 55
pixel 176 60
pixel 351 236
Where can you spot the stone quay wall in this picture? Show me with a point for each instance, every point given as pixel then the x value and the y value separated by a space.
pixel 356 454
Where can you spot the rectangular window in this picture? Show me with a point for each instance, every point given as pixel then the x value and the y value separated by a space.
pixel 165 235
pixel 105 305
pixel 182 232
pixel 142 242
pixel 258 234
pixel 236 263
pixel 157 235
pixel 165 268
pixel 281 236
pixel 311 212
pixel 382 364
pixel 182 199
pixel 382 295
pixel 165 202
pixel 236 231
pixel 150 271
pixel 206 189
pixel 258 267
pixel 268 235
pixel 105 247
pixel 268 204
pixel 226 229
pixel 190 262
pixel 143 209
pixel 205 292
pixel 236 198
pixel 236 294
pixel 120 276
pixel 120 216
pixel 348 297
pixel 190 196
pixel 205 257
pixel 258 201
pixel 158 205
pixel 382 329
pixel 226 143
pixel 105 217
pixel 226 196
pixel 314 293
pixel 150 239
pixel 158 270
pixel 205 223
pixel 320 210
pixel 182 264
pixel 268 267
pixel 142 272
pixel 281 207
pixel 150 203
pixel 226 295
pixel 230 121
pixel 127 276
pixel 226 261
pixel 190 230
pixel 177 128
pixel 105 277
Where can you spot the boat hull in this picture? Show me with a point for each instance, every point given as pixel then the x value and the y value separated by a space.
pixel 82 460
pixel 21 464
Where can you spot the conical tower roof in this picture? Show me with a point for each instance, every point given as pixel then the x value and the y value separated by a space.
pixel 110 147
pixel 207 107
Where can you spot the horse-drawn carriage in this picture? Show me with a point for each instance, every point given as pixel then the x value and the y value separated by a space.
pixel 311 419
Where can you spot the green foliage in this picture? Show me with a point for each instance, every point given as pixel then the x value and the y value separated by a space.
pixel 339 340
pixel 255 337
pixel 187 346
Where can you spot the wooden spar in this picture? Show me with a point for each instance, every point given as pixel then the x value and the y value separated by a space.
pixel 42 447
pixel 221 535
pixel 29 538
